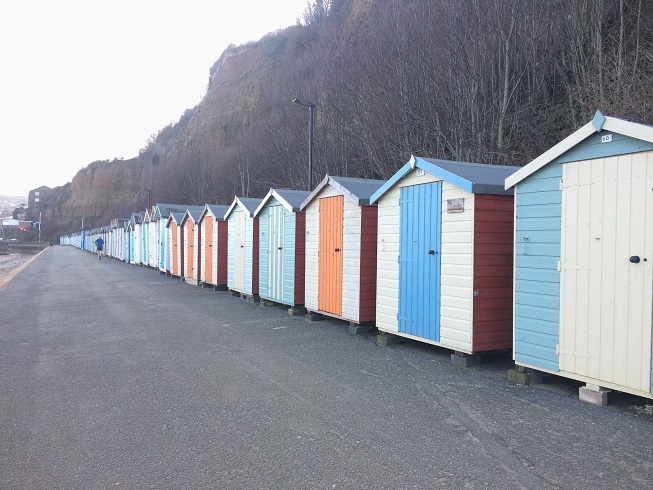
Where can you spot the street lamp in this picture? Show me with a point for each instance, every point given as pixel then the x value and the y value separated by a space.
pixel 311 107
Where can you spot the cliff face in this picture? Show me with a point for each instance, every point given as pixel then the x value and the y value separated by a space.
pixel 105 189
pixel 206 156
pixel 97 193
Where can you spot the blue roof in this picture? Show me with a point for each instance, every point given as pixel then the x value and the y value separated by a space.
pixel 475 178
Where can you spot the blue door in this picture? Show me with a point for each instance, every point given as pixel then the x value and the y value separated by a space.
pixel 419 260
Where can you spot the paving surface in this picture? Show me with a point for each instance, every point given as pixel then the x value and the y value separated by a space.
pixel 114 376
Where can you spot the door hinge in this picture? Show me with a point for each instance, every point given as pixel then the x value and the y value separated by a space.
pixel 557 349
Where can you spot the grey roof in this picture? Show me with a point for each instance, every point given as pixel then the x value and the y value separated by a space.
pixel 359 191
pixel 218 210
pixel 195 212
pixel 361 188
pixel 177 216
pixel 166 209
pixel 250 203
pixel 485 177
pixel 293 197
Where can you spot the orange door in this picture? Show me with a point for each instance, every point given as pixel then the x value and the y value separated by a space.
pixel 190 246
pixel 174 240
pixel 329 294
pixel 208 250
pixel 182 254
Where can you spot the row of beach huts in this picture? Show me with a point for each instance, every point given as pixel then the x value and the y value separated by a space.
pixel 552 260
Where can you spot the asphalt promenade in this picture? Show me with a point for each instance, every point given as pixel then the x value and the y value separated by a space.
pixel 115 376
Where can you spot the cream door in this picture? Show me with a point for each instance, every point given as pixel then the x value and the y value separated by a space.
pixel 606 270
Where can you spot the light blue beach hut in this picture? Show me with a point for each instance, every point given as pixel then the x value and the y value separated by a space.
pixel 584 259
pixel 282 230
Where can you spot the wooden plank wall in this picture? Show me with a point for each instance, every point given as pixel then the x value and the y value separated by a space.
pixel 493 272
pixel 538 202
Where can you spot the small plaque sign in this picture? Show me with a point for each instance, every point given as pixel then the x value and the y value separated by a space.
pixel 456 205
pixel 419 172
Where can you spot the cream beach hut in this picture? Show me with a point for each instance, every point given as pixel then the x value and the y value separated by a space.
pixel 341 229
pixel 243 247
pixel 444 259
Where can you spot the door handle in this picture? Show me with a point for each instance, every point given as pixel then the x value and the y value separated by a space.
pixel 337 250
pixel 280 248
pixel 431 252
pixel 634 259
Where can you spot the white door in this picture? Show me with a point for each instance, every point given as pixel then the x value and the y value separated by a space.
pixel 275 253
pixel 239 250
pixel 606 269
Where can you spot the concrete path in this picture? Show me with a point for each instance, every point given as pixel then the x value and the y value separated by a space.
pixel 114 376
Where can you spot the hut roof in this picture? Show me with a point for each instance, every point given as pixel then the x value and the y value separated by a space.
pixel 249 204
pixel 176 217
pixel 164 209
pixel 358 191
pixel 217 210
pixel 289 199
pixel 597 124
pixel 193 213
pixel 476 178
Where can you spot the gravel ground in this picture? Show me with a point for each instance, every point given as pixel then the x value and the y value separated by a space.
pixel 9 264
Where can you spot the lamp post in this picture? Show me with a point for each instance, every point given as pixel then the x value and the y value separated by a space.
pixel 311 107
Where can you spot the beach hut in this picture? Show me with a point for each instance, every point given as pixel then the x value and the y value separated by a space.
pixel 444 260
pixel 584 259
pixel 243 247
pixel 125 241
pixel 152 237
pixel 190 248
pixel 135 239
pixel 160 214
pixel 282 230
pixel 145 244
pixel 119 234
pixel 129 240
pixel 212 261
pixel 341 228
pixel 175 244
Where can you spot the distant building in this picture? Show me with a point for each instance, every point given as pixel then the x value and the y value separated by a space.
pixel 37 195
pixel 16 224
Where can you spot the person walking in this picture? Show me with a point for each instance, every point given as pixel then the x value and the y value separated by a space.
pixel 99 244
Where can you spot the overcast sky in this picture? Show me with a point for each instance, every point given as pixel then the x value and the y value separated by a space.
pixel 83 80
